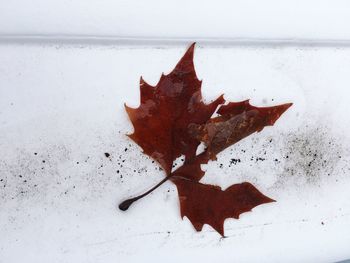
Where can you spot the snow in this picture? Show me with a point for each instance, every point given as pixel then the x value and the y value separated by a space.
pixel 63 104
pixel 67 68
pixel 198 19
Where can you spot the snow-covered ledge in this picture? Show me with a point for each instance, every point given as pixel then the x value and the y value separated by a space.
pixel 298 20
pixel 62 110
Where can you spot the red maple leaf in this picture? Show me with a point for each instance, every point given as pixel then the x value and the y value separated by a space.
pixel 172 120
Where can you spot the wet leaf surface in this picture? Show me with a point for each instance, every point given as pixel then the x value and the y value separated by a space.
pixel 172 120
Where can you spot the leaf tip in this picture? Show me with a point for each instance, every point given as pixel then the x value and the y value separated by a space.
pixel 276 112
pixel 142 81
pixel 187 59
pixel 192 46
pixel 285 106
pixel 220 229
pixel 129 111
pixel 221 99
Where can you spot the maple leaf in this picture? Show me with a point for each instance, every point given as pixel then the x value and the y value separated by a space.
pixel 172 120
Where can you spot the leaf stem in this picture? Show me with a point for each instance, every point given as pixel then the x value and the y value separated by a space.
pixel 127 203
pixel 203 157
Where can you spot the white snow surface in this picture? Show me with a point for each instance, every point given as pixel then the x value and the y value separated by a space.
pixel 61 109
pixel 197 19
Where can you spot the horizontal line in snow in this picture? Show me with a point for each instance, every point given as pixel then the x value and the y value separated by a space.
pixel 157 41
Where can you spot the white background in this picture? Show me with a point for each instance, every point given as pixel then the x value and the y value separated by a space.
pixel 64 101
pixel 271 19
